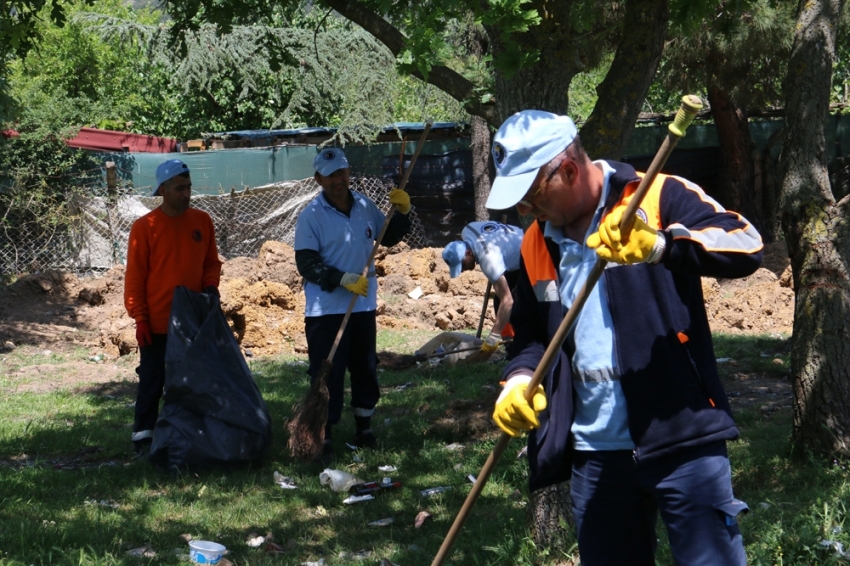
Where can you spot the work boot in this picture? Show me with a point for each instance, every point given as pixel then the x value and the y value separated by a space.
pixel 365 439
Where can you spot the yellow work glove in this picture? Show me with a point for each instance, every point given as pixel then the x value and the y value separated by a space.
pixel 401 200
pixel 513 414
pixel 642 243
pixel 355 283
pixel 491 343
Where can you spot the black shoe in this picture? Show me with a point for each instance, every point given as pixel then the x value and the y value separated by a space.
pixel 365 439
pixel 326 458
pixel 142 451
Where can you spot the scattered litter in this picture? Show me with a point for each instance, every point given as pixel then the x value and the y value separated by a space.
pixel 358 498
pixel 9 345
pixel 523 453
pixel 351 446
pixel 403 387
pixel 433 491
pixel 373 486
pixel 836 529
pixel 339 481
pixel 96 358
pixel 102 503
pixel 421 517
pixel 764 505
pixel 254 540
pixel 46 352
pixel 836 546
pixel 454 446
pixel 356 458
pixel 146 551
pixel 416 293
pixel 382 522
pixel 764 355
pixel 284 482
pixel 471 478
pixel 723 360
pixel 274 548
pixel 321 562
pixel 387 469
pixel 458 467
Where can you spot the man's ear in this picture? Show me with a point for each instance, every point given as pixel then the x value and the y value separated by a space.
pixel 569 169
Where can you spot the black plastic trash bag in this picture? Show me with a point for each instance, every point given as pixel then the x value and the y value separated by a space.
pixel 214 414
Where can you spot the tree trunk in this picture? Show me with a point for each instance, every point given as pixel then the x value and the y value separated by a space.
pixel 818 237
pixel 481 165
pixel 735 186
pixel 550 516
pixel 621 94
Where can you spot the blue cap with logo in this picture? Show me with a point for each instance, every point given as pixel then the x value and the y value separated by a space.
pixel 168 170
pixel 329 160
pixel 525 142
pixel 453 255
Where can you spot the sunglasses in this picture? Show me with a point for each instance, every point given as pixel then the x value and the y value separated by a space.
pixel 526 200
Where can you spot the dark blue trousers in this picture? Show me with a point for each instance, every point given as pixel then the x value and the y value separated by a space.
pixel 151 372
pixel 356 352
pixel 616 502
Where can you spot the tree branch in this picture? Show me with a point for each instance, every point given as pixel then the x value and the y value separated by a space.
pixel 442 77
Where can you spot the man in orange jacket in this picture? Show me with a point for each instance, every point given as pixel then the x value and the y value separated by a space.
pixel 171 246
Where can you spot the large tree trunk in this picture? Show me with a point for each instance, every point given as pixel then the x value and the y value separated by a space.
pixel 736 181
pixel 481 165
pixel 818 238
pixel 621 94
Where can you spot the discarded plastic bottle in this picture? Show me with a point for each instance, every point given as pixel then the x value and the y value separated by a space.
pixel 433 491
pixel 373 486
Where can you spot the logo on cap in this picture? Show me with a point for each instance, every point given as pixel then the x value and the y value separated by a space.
pixel 488 228
pixel 499 154
pixel 329 155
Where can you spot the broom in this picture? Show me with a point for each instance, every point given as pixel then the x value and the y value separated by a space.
pixel 307 427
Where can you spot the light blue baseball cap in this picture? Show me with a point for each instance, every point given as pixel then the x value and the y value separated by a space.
pixel 329 160
pixel 524 143
pixel 168 170
pixel 453 255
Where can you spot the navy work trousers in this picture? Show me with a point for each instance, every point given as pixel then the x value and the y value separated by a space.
pixel 151 373
pixel 616 502
pixel 356 352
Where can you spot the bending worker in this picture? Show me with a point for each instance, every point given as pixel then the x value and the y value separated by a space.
pixel 495 247
pixel 334 237
pixel 633 412
pixel 171 246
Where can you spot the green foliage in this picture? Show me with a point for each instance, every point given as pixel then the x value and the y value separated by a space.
pixel 741 46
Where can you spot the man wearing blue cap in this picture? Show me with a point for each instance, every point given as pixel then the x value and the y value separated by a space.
pixel 334 237
pixel 633 412
pixel 170 246
pixel 495 247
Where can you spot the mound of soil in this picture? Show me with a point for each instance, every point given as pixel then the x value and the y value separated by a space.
pixel 263 301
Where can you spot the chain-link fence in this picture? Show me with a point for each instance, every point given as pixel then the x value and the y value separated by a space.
pixel 96 224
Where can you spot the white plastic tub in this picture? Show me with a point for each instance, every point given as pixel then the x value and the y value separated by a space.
pixel 205 552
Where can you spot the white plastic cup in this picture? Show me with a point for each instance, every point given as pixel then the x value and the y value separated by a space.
pixel 205 552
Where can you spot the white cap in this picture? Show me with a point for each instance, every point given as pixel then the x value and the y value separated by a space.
pixel 525 142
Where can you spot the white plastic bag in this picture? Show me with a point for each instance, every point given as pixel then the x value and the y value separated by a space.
pixel 339 481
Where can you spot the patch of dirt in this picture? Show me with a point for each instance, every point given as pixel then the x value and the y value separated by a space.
pixel 263 301
pixel 467 419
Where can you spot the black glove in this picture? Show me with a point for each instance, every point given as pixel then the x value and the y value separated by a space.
pixel 212 290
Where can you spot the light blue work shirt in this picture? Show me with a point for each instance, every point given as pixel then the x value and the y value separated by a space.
pixel 496 247
pixel 601 420
pixel 344 242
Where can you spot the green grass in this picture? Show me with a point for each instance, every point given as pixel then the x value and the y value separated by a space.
pixel 71 495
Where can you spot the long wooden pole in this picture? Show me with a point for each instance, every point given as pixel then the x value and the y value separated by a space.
pixel 689 108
